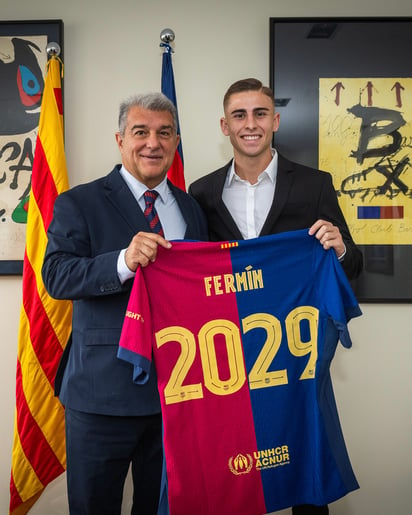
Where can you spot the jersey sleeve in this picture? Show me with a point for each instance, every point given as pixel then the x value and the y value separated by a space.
pixel 135 345
pixel 338 297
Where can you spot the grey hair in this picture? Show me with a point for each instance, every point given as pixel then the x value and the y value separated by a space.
pixel 151 101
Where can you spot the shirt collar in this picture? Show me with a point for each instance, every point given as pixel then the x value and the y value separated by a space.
pixel 270 171
pixel 138 188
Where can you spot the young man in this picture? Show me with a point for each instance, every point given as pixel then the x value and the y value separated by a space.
pixel 100 233
pixel 260 192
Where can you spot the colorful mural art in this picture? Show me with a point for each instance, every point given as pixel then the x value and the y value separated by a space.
pixel 22 67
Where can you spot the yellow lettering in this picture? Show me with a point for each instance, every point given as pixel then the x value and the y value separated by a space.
pixel 249 277
pixel 299 346
pixel 257 279
pixel 301 335
pixel 134 316
pixel 208 286
pixel 241 281
pixel 217 281
pixel 229 283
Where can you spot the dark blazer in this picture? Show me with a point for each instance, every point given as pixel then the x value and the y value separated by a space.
pixel 302 196
pixel 91 224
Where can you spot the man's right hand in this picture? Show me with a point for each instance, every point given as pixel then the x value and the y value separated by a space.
pixel 142 250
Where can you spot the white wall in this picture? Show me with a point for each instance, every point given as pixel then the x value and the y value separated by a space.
pixel 111 50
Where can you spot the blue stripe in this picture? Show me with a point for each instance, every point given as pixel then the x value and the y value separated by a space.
pixel 369 212
pixel 168 87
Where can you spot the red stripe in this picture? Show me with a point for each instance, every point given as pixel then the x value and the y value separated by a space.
pixel 43 337
pixel 59 100
pixel 154 221
pixel 15 499
pixel 391 212
pixel 43 186
pixel 175 173
pixel 34 444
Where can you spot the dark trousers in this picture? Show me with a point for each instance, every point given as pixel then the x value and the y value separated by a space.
pixel 100 450
pixel 310 509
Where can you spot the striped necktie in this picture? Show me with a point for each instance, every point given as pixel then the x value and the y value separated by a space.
pixel 150 212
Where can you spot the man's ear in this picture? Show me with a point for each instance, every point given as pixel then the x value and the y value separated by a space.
pixel 223 126
pixel 119 140
pixel 276 120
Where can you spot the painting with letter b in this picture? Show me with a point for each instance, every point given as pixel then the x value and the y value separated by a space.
pixel 243 334
pixel 365 140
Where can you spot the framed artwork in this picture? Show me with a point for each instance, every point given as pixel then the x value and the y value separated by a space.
pixel 23 60
pixel 343 88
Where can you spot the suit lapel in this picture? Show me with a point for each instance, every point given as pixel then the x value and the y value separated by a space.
pixel 223 212
pixel 284 181
pixel 122 199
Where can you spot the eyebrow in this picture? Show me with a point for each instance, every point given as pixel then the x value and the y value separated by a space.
pixel 254 109
pixel 142 126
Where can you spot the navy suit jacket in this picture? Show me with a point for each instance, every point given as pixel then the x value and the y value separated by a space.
pixel 91 224
pixel 302 196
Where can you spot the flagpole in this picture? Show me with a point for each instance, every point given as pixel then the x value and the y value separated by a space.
pixel 167 36
pixel 53 49
pixel 176 172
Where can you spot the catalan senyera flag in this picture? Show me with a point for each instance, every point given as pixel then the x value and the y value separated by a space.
pixel 176 172
pixel 39 454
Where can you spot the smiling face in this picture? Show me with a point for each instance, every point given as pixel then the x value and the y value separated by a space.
pixel 250 121
pixel 148 145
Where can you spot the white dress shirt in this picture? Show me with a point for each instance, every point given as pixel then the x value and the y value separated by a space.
pixel 249 204
pixel 171 218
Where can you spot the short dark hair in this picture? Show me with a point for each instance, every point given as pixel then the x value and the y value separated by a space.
pixel 152 101
pixel 247 85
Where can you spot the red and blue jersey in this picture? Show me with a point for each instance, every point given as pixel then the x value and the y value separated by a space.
pixel 242 334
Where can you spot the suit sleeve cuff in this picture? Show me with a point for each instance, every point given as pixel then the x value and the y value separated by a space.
pixel 123 271
pixel 341 257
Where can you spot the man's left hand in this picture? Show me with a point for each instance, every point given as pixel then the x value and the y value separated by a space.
pixel 329 236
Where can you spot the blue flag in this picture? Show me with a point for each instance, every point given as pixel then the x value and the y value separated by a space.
pixel 175 173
